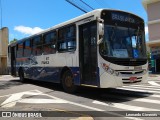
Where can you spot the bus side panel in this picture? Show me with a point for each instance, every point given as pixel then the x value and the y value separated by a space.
pixel 49 67
pixel 76 75
pixel 50 74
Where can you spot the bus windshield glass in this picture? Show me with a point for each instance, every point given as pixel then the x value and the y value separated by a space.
pixel 123 42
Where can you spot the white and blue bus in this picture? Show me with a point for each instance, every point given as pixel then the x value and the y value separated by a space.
pixel 103 48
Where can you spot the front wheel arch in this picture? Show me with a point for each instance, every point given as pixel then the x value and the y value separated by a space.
pixel 68 82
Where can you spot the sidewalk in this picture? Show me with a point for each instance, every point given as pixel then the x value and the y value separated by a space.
pixel 154 74
pixel 5 76
pixel 154 77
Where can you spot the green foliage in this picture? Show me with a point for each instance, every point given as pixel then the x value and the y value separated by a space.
pixel 14 40
pixel 148 55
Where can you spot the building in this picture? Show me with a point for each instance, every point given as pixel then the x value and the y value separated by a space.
pixel 3 50
pixel 153 10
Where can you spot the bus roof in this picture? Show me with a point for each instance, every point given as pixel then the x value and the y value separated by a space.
pixel 95 13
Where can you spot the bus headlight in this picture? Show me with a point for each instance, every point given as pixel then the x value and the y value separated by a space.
pixel 109 70
pixel 105 66
pixel 116 73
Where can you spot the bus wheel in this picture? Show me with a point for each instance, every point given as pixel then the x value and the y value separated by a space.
pixel 68 83
pixel 21 75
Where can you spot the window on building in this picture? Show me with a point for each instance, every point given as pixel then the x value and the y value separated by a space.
pixel 67 39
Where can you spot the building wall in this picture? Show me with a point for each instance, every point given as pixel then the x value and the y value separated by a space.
pixel 153 10
pixel 154 31
pixel 3 50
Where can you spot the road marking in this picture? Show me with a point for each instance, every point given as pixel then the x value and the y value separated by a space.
pixel 139 90
pixel 125 107
pixel 83 118
pixel 91 108
pixel 135 99
pixel 77 104
pixel 38 101
pixel 154 80
pixel 17 92
pixel 17 98
pixel 147 100
pixel 153 83
pixel 142 88
pixel 144 94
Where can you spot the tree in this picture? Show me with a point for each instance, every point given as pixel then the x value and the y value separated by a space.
pixel 14 40
pixel 148 56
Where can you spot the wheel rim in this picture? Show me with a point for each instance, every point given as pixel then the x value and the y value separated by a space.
pixel 68 81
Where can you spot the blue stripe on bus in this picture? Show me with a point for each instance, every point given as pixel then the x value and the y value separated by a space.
pixel 52 74
pixel 76 74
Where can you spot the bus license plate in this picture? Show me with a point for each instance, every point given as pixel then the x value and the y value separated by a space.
pixel 133 79
pixel 138 68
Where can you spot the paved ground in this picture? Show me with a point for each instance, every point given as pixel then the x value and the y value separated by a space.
pixel 21 100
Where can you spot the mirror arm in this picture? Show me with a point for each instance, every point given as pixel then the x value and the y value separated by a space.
pixel 100 40
pixel 100 23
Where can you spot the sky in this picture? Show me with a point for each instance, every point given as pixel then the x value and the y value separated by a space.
pixel 27 17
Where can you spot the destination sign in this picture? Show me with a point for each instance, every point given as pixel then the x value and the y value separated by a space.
pixel 122 18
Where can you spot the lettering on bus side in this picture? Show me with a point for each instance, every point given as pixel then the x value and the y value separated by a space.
pixel 46 61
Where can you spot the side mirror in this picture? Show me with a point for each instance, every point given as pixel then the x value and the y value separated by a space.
pixel 100 30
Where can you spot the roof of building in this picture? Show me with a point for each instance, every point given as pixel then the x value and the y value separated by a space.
pixel 146 2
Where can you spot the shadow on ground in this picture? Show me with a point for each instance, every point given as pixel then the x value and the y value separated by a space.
pixel 109 95
pixel 8 84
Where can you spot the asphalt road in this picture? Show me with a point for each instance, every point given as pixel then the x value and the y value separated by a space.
pixel 39 101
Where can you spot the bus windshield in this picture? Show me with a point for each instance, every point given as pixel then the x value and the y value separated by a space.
pixel 123 42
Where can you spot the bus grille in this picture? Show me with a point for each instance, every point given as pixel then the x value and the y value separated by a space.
pixel 130 63
pixel 127 80
pixel 131 73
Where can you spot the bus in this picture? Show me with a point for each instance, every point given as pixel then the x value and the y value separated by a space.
pixel 103 48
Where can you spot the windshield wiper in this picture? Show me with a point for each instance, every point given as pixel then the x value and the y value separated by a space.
pixel 113 36
pixel 137 35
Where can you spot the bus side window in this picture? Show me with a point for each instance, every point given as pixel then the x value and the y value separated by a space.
pixel 37 45
pixel 19 50
pixel 67 39
pixel 49 46
pixel 27 48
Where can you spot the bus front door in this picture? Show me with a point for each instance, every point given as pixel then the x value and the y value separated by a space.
pixel 88 54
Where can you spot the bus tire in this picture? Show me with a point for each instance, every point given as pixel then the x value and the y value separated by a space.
pixel 68 83
pixel 21 76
